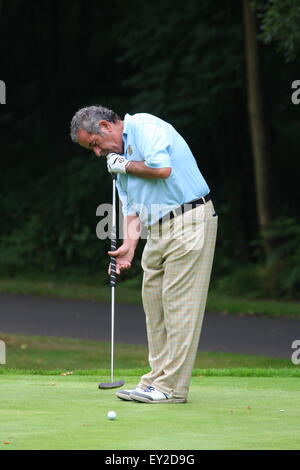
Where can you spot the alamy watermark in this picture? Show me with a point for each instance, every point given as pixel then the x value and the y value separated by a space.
pixel 296 94
pixel 296 354
pixel 175 224
pixel 2 352
pixel 2 92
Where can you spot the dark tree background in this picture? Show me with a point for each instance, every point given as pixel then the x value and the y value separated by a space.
pixel 183 61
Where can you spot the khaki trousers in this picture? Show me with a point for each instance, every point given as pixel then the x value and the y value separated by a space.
pixel 177 262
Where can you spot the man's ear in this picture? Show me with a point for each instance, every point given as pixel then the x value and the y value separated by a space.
pixel 105 125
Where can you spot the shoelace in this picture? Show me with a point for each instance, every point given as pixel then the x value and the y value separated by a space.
pixel 151 389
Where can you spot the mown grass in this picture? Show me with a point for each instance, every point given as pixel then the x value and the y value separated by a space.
pixel 70 412
pixel 38 354
pixel 138 372
pixel 130 293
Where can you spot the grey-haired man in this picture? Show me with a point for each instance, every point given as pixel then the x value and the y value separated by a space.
pixel 161 188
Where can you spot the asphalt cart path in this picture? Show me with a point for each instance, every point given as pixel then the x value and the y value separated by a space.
pixel 242 334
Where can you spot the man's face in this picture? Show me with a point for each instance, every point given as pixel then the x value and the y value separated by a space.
pixel 101 145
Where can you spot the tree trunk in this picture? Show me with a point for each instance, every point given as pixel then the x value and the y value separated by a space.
pixel 257 124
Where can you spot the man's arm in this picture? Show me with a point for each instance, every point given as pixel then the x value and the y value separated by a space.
pixel 125 253
pixel 143 171
pixel 119 164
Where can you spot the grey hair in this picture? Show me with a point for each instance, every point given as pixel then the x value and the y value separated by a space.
pixel 88 119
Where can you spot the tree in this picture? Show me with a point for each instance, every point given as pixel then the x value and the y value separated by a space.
pixel 257 124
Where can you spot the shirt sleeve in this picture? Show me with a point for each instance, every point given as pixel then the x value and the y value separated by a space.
pixel 154 144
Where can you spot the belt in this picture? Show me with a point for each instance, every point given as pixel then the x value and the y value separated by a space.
pixel 187 206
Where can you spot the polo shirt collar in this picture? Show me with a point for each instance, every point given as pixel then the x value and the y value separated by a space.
pixel 126 124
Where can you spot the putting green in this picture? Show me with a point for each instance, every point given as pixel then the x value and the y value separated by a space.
pixel 69 412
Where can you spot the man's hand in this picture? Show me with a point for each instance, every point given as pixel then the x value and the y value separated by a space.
pixel 124 256
pixel 116 163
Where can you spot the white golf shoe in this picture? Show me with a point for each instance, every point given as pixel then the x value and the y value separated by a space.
pixel 152 395
pixel 124 394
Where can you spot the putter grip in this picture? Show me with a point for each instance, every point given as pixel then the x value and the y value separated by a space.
pixel 113 247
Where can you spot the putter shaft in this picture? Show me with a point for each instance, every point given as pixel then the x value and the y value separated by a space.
pixel 113 279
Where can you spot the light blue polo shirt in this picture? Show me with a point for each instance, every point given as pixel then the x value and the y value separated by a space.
pixel 155 142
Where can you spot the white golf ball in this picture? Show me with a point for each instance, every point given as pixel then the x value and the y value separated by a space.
pixel 111 415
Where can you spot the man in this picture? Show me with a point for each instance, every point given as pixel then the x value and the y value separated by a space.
pixel 161 188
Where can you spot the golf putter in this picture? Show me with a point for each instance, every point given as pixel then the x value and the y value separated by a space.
pixel 113 280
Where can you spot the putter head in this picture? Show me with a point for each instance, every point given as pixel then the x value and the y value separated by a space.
pixel 111 384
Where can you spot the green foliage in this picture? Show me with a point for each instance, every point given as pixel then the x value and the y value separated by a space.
pixel 18 249
pixel 189 65
pixel 279 277
pixel 183 61
pixel 282 272
pixel 280 21
pixel 245 280
pixel 59 230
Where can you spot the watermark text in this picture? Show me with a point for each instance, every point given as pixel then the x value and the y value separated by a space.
pixel 2 352
pixel 174 224
pixel 296 354
pixel 2 92
pixel 296 94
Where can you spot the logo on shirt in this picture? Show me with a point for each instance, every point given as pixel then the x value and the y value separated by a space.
pixel 129 150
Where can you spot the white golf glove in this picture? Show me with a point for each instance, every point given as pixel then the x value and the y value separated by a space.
pixel 116 163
